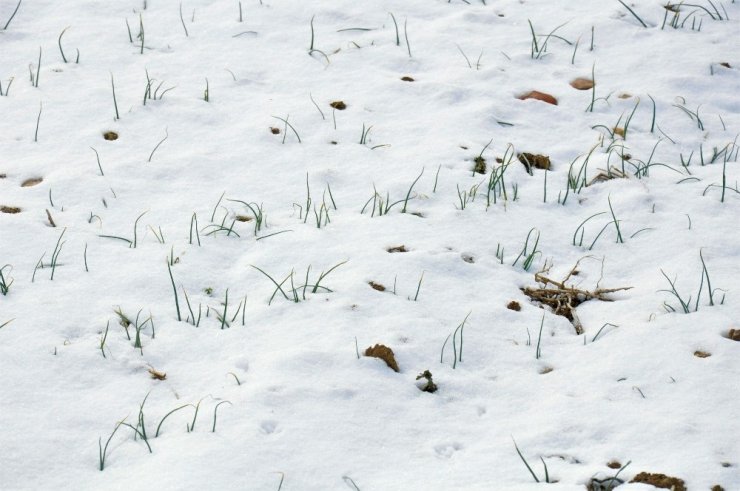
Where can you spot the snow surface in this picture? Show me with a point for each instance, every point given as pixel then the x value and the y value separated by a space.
pixel 307 410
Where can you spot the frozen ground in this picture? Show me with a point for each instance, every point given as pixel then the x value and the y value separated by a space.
pixel 302 406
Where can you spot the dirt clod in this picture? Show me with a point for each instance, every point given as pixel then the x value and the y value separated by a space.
pixel 10 209
pixel 407 79
pixel 3 176
pixel 606 484
pixel 734 334
pixel 582 84
pixel 243 218
pixel 725 64
pixel 157 375
pixel 468 258
pixel 339 105
pixel 430 386
pixel 376 286
pixel 110 135
pixel 539 96
pixel 480 165
pixel 384 353
pixel 702 354
pixel 614 464
pixel 401 248
pixel 274 131
pixel 546 370
pixel 537 161
pixel 31 182
pixel 514 305
pixel 660 481
pixel 717 487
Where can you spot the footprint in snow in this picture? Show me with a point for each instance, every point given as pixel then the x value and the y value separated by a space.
pixel 268 427
pixel 446 451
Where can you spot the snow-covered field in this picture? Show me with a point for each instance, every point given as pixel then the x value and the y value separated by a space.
pixel 262 143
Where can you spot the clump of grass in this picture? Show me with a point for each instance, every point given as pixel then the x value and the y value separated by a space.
pixel 529 254
pixel 383 205
pixel 138 323
pixel 298 292
pixel 538 49
pixel 685 302
pixel 5 280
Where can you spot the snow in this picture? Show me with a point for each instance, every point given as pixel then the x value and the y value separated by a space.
pixel 302 407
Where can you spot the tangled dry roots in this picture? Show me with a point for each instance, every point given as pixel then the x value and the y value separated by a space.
pixel 562 298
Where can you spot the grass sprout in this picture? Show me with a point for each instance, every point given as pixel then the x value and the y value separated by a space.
pixel 103 450
pixel 5 27
pixel 536 479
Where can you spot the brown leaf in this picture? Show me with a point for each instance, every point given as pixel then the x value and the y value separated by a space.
pixel 539 96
